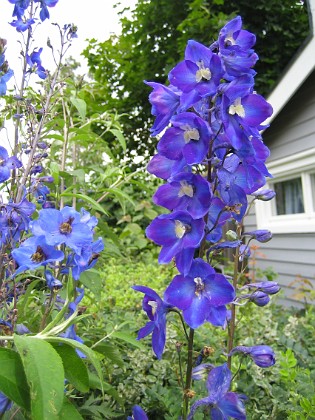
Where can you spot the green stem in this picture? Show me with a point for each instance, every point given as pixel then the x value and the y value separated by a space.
pixel 182 321
pixel 188 372
pixel 180 369
pixel 52 299
pixel 233 307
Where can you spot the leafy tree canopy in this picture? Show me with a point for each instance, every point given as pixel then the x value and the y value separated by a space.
pixel 153 39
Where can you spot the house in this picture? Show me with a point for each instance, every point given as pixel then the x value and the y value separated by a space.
pixel 291 139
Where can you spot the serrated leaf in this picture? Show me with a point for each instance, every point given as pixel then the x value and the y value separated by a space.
pixel 12 378
pixel 120 137
pixel 94 204
pixel 124 336
pixel 75 369
pixel 44 374
pixel 80 105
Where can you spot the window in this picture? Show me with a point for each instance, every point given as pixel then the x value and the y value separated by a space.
pixel 289 198
pixel 293 208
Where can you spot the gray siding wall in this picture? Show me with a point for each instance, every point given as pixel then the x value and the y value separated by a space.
pixel 292 256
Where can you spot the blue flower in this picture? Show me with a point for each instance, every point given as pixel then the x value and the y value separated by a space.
pixel 165 102
pixel 222 403
pixel 189 137
pixel 137 414
pixel 179 234
pixel 201 295
pixel 63 227
pixel 4 80
pixel 44 13
pixel 52 282
pixel 198 75
pixel 35 64
pixel 19 7
pixel 156 309
pixel 22 25
pixel 7 164
pixel 186 191
pixel 34 252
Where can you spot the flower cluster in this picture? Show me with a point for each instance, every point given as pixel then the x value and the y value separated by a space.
pixel 212 157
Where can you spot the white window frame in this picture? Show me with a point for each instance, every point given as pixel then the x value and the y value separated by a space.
pixel 297 165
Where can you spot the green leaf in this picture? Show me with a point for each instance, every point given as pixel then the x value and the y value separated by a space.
pixel 120 194
pixel 94 204
pixel 80 105
pixel 75 369
pixel 69 412
pixel 22 302
pixel 109 389
pixel 12 378
pixel 54 169
pixel 120 137
pixel 91 355
pixel 45 376
pixel 111 352
pixel 124 336
pixel 92 280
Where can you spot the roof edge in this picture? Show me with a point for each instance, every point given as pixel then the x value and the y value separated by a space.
pixel 303 64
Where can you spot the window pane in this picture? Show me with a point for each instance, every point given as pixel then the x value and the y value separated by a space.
pixel 289 198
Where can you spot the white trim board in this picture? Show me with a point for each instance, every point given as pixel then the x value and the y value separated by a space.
pixel 301 164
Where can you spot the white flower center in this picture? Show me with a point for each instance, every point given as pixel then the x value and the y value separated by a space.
pixel 180 229
pixel 203 73
pixel 229 40
pixel 153 305
pixel 199 286
pixel 185 189
pixel 237 108
pixel 191 134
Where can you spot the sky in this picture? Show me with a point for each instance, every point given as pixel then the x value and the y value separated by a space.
pixel 94 18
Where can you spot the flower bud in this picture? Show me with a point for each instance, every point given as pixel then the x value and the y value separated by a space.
pixel 263 356
pixel 264 195
pixel 231 235
pixel 259 298
pixel 268 287
pixel 260 235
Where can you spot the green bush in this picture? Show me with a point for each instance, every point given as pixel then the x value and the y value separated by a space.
pixel 285 391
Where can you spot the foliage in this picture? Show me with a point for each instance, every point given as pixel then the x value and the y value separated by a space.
pixel 285 391
pixel 153 39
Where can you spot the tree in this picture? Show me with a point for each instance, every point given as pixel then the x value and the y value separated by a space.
pixel 153 39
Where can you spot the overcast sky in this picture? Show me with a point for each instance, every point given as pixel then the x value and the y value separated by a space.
pixel 94 18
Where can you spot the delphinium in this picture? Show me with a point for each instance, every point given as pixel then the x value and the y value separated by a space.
pixel 210 153
pixel 45 244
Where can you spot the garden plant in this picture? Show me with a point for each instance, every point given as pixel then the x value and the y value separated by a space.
pixel 58 360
